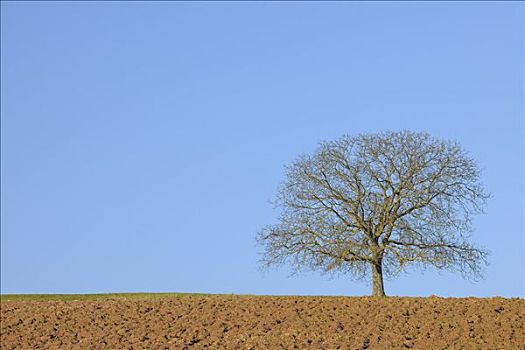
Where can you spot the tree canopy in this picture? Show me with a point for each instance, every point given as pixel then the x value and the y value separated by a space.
pixel 379 203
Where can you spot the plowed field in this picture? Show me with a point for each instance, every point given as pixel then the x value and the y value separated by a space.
pixel 260 322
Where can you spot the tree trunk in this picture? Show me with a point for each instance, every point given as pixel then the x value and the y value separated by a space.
pixel 378 290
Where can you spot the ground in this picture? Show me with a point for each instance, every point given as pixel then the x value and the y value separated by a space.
pixel 173 321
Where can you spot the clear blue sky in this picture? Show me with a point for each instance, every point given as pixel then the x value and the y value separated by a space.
pixel 143 142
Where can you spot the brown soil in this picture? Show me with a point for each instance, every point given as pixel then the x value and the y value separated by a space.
pixel 245 322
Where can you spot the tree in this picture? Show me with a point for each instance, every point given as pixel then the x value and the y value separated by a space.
pixel 381 203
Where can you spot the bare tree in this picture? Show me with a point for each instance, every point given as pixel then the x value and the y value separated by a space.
pixel 380 203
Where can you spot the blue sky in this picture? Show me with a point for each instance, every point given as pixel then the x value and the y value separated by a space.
pixel 142 143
